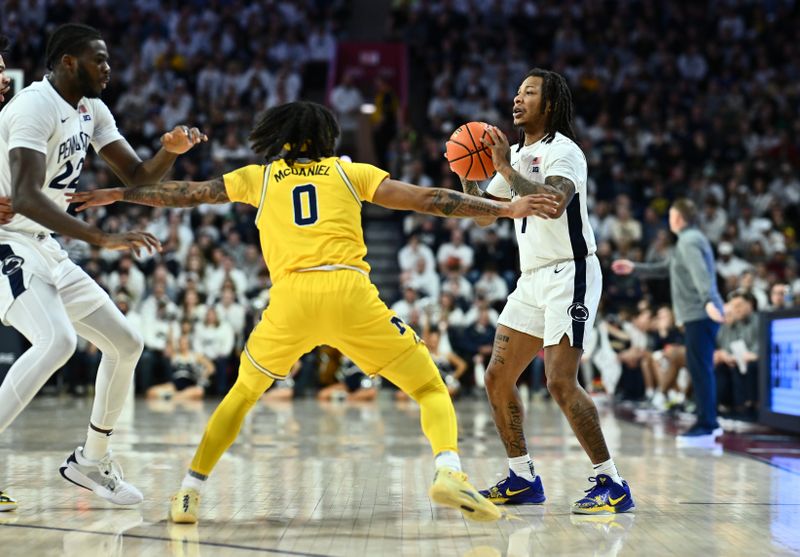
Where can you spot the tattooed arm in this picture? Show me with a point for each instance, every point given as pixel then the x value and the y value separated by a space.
pixel 562 188
pixel 472 188
pixel 165 194
pixel 394 194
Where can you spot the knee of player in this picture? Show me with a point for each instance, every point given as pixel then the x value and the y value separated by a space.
pixel 131 342
pixel 496 378
pixel 63 342
pixel 561 387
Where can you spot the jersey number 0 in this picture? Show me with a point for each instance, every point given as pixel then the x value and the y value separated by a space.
pixel 304 200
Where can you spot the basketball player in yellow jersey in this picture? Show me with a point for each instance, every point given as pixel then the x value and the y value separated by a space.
pixel 309 218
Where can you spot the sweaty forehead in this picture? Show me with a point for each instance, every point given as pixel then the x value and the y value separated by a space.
pixel 95 47
pixel 533 81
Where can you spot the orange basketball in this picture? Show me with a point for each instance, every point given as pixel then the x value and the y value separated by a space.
pixel 467 155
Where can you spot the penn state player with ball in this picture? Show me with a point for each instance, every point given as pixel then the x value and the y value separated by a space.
pixel 45 131
pixel 555 302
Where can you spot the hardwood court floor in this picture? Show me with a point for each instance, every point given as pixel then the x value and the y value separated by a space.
pixel 308 479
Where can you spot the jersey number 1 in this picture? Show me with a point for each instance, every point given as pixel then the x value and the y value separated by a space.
pixel 305 214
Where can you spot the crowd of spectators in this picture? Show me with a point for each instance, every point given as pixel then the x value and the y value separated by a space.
pixel 672 99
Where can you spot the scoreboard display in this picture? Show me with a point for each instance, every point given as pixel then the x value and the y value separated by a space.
pixel 780 370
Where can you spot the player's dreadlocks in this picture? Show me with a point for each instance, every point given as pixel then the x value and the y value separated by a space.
pixel 295 130
pixel 70 38
pixel 556 96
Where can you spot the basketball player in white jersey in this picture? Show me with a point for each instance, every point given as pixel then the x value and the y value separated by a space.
pixel 555 302
pixel 45 132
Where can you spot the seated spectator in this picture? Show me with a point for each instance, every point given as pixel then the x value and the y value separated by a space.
pixel 481 304
pixel 407 305
pixel 352 385
pixel 780 297
pixel 491 285
pixel 190 373
pixel 455 254
pixel 456 284
pixel 736 357
pixel 423 279
pixel 346 100
pixel 447 312
pixel 154 365
pixel 215 340
pixel 134 284
pixel 478 338
pixel 192 309
pixel 728 264
pixel 666 358
pixel 409 254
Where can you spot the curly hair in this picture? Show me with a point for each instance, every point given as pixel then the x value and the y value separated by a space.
pixel 295 130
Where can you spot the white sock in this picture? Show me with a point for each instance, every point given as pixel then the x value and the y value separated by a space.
pixel 194 481
pixel 447 459
pixel 648 393
pixel 96 445
pixel 522 466
pixel 609 469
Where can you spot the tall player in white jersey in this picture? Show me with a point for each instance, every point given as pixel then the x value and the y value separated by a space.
pixel 555 302
pixel 45 132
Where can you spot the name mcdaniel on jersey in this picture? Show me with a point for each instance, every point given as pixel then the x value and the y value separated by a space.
pixel 546 241
pixel 38 118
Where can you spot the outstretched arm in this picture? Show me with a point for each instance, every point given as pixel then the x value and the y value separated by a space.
pixel 560 187
pixel 472 188
pixel 394 194
pixel 135 172
pixel 27 176
pixel 165 194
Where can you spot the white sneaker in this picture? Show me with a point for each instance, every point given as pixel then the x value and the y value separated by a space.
pixel 103 477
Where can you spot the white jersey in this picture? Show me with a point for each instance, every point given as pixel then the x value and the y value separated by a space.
pixel 545 241
pixel 39 118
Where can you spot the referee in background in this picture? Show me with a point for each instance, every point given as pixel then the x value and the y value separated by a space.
pixel 698 307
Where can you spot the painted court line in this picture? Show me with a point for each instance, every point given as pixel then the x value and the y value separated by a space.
pixel 167 539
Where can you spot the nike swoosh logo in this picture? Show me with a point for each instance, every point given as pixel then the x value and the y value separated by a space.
pixel 615 501
pixel 64 119
pixel 510 493
pixel 559 270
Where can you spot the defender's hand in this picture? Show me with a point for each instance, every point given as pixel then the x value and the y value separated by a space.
pixel 540 205
pixel 95 198
pixel 181 139
pixel 6 214
pixel 132 241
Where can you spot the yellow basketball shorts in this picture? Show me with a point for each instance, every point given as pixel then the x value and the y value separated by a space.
pixel 339 308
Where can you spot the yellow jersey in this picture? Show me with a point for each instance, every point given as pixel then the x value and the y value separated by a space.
pixel 309 214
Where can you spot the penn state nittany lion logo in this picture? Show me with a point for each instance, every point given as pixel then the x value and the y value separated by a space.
pixel 578 312
pixel 12 264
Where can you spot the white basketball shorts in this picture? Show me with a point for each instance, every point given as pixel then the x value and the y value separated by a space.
pixel 23 256
pixel 555 300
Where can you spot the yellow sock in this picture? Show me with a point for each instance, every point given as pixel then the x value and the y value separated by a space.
pixel 226 421
pixel 418 377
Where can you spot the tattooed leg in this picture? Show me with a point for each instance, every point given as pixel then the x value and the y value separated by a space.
pixel 561 368
pixel 511 354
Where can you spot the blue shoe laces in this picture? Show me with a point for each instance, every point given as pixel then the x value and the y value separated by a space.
pixel 590 493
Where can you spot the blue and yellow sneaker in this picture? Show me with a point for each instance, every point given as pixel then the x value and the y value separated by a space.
pixel 7 503
pixel 606 497
pixel 515 490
